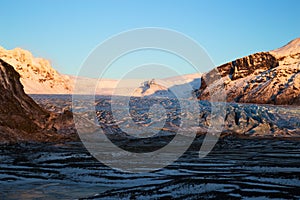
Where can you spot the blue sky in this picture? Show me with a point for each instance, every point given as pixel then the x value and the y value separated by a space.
pixel 66 31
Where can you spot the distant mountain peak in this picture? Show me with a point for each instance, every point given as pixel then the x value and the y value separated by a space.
pixel 150 87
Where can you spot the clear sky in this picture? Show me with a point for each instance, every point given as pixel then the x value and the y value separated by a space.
pixel 65 31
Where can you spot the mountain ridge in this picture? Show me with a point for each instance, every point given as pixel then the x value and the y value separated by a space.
pixel 270 77
pixel 264 78
pixel 39 77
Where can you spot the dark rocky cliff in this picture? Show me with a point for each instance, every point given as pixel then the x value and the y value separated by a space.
pixel 21 119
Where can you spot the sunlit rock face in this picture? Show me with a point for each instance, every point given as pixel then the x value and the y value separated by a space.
pixel 21 119
pixel 37 74
pixel 265 78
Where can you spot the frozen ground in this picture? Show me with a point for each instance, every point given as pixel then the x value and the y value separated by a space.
pixel 237 168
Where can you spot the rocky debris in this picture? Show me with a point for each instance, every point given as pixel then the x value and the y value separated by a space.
pixel 22 119
pixel 37 74
pixel 264 78
pixel 252 120
pixel 241 120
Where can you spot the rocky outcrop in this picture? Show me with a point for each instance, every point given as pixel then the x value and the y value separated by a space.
pixel 249 65
pixel 264 78
pixel 37 74
pixel 21 119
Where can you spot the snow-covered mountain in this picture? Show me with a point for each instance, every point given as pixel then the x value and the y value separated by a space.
pixel 39 77
pixel 180 86
pixel 268 77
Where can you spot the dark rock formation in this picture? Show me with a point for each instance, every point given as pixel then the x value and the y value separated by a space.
pixel 21 119
pixel 263 78
pixel 249 65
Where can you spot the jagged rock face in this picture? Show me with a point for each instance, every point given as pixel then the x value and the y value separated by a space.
pixel 21 118
pixel 37 74
pixel 263 78
pixel 253 64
